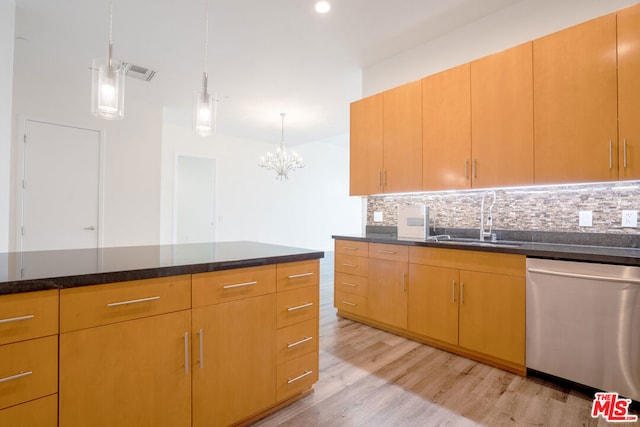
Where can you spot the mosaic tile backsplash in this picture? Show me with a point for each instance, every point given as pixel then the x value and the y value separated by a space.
pixel 540 208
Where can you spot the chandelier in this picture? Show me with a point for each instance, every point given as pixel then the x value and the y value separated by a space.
pixel 282 161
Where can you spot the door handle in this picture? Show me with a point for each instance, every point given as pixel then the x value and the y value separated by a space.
pixel 91 228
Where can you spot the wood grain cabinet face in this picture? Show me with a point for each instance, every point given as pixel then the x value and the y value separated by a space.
pixel 294 275
pixel 446 130
pixel 387 298
pixel 502 118
pixel 629 92
pixel 297 305
pixel 366 146
pixel 234 360
pixel 28 315
pixel 41 412
pixel 132 370
pixel 575 104
pixel 230 285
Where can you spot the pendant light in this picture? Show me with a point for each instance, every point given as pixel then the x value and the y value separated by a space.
pixel 107 82
pixel 204 109
pixel 323 6
pixel 283 161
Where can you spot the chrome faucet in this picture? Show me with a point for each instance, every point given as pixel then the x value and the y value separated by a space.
pixel 483 233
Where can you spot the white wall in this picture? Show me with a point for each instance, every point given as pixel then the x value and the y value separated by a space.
pixel 522 22
pixel 7 25
pixel 252 205
pixel 61 93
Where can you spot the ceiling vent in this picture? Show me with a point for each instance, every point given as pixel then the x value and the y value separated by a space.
pixel 139 72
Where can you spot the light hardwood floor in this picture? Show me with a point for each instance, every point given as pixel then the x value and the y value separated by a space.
pixel 372 378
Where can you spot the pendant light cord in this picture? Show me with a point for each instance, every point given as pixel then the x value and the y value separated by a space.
pixel 110 52
pixel 206 39
pixel 282 136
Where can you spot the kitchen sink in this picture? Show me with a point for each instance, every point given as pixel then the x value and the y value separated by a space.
pixel 478 242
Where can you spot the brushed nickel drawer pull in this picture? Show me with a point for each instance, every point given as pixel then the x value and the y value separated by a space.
pixel 201 348
pixel 382 251
pixel 353 285
pixel 453 291
pixel 349 248
pixel 461 292
pixel 625 153
pixel 239 285
pixel 610 154
pixel 350 265
pixel 17 319
pixel 295 276
pixel 186 353
pixel 298 307
pixel 133 301
pixel 15 377
pixel 299 377
pixel 349 303
pixel 302 341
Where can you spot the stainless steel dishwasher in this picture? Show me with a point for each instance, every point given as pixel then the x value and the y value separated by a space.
pixel 583 323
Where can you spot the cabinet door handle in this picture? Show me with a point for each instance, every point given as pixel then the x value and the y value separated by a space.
pixel 379 178
pixel 201 336
pixel 17 319
pixel 239 285
pixel 387 252
pixel 186 353
pixel 299 377
pixel 133 301
pixel 453 291
pixel 610 154
pixel 349 248
pixel 295 276
pixel 475 169
pixel 461 292
pixel 353 285
pixel 349 303
pixel 299 307
pixel 624 153
pixel 302 341
pixel 404 281
pixel 385 179
pixel 350 265
pixel 466 169
pixel 15 377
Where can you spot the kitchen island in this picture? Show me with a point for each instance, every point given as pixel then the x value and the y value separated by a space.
pixel 178 335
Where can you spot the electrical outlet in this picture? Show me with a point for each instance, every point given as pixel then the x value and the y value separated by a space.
pixel 377 216
pixel 630 219
pixel 585 218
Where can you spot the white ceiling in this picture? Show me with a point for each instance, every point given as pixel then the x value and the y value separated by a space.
pixel 265 57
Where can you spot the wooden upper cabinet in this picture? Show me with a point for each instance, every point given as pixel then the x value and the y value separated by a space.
pixel 575 108
pixel 502 118
pixel 446 130
pixel 366 153
pixel 629 92
pixel 403 138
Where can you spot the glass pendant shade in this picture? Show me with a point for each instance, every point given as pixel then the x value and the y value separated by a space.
pixel 203 111
pixel 107 88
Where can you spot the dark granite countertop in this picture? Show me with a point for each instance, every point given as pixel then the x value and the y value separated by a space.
pixel 41 270
pixel 569 252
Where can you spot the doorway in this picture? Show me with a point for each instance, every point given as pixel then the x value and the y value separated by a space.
pixel 194 199
pixel 60 187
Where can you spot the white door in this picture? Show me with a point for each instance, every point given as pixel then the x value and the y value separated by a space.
pixel 194 200
pixel 60 193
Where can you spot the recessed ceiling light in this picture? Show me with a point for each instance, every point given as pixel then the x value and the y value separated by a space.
pixel 323 7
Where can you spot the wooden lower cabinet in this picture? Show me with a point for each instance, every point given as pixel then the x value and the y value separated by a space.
pixel 41 412
pixel 129 373
pixel 387 300
pixel 433 302
pixel 234 360
pixel 492 315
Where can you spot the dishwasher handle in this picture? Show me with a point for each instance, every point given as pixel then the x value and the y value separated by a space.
pixel 585 276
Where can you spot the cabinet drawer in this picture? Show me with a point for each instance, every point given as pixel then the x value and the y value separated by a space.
pixel 352 264
pixel 487 262
pixel 230 285
pixel 295 275
pixel 355 304
pixel 28 370
pixel 297 340
pixel 28 315
pixel 349 247
pixel 389 252
pixel 41 413
pixel 296 375
pixel 350 284
pixel 97 305
pixel 297 305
